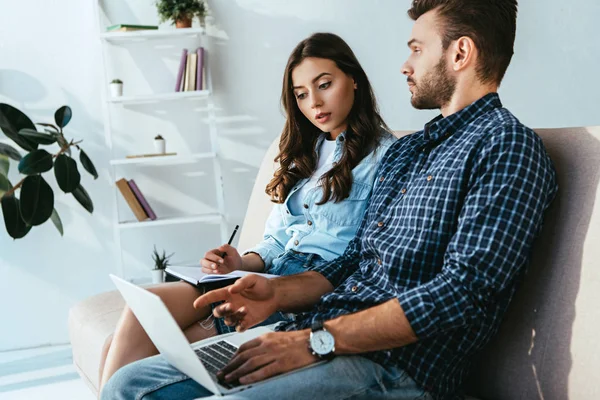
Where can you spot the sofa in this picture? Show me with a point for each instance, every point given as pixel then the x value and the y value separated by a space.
pixel 547 346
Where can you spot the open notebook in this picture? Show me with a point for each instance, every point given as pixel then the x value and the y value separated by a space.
pixel 195 276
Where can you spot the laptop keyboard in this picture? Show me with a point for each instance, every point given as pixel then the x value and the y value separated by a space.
pixel 215 357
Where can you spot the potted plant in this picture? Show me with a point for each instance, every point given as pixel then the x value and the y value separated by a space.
pixel 181 12
pixel 161 261
pixel 30 202
pixel 160 144
pixel 116 88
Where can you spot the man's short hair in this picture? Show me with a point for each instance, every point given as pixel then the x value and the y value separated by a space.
pixel 491 24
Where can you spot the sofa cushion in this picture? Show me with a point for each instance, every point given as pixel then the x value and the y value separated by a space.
pixel 91 325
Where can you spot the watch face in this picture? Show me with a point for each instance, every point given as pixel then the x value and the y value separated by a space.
pixel 322 342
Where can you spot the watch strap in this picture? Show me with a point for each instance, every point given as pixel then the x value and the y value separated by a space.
pixel 317 325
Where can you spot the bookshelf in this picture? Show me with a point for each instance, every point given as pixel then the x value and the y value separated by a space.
pixel 121 38
pixel 150 98
pixel 116 45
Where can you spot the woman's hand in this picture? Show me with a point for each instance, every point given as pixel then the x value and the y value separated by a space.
pixel 221 260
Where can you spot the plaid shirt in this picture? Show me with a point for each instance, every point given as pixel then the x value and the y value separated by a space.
pixel 448 233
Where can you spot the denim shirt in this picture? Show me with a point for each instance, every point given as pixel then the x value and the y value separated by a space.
pixel 323 229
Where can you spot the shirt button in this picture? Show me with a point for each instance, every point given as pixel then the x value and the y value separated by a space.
pixel 309 223
pixel 403 191
pixel 306 206
pixel 380 224
pixel 381 179
pixel 429 178
pixel 342 139
pixel 296 242
pixel 379 261
pixel 287 211
pixel 354 289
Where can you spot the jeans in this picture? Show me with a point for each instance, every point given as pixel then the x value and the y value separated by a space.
pixel 344 377
pixel 288 263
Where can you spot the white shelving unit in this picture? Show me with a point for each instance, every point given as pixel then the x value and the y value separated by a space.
pixel 189 99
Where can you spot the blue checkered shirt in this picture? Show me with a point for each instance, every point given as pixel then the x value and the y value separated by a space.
pixel 448 233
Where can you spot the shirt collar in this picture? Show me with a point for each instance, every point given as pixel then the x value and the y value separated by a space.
pixel 340 138
pixel 441 128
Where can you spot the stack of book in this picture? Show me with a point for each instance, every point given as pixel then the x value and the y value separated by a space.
pixel 191 74
pixel 130 28
pixel 135 199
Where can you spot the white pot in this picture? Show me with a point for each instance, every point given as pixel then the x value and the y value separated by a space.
pixel 158 276
pixel 160 146
pixel 116 89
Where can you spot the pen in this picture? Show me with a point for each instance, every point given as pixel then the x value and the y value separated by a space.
pixel 231 239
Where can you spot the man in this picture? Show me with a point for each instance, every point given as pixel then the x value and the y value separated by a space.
pixel 445 239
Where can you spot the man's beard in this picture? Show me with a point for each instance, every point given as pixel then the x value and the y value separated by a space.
pixel 435 89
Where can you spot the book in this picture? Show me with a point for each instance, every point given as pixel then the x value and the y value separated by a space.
pixel 186 77
pixel 200 68
pixel 193 65
pixel 204 66
pixel 180 72
pixel 150 155
pixel 131 200
pixel 140 197
pixel 193 274
pixel 130 27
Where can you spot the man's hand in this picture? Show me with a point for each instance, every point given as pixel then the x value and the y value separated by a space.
pixel 249 301
pixel 271 354
pixel 221 260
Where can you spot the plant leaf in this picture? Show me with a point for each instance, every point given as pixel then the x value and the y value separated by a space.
pixel 57 222
pixel 4 166
pixel 11 122
pixel 15 226
pixel 37 200
pixel 36 162
pixel 65 171
pixel 5 185
pixel 62 116
pixel 82 196
pixel 87 164
pixel 10 151
pixel 38 137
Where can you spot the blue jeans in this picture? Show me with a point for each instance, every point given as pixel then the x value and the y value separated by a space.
pixel 344 377
pixel 288 263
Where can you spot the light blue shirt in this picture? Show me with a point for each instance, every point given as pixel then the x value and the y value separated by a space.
pixel 327 229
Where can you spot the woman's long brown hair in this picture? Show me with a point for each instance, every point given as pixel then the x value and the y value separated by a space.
pixel 297 154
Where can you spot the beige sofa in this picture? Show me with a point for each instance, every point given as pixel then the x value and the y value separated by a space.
pixel 548 346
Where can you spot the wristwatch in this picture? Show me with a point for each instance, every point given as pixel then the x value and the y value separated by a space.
pixel 321 343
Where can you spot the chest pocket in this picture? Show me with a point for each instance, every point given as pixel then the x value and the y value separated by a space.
pixel 429 199
pixel 349 211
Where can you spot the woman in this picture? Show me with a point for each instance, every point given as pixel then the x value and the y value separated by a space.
pixel 329 152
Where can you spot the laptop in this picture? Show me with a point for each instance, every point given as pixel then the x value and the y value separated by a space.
pixel 201 360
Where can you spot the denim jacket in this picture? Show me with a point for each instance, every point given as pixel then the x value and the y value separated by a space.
pixel 327 229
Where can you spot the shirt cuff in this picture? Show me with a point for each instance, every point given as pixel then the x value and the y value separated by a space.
pixel 268 250
pixel 435 306
pixel 334 271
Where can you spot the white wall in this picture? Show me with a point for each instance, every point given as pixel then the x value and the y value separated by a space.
pixel 50 55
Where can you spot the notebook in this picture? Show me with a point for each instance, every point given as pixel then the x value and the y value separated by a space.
pixel 195 276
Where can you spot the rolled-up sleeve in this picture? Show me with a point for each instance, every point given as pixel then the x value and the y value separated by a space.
pixel 511 185
pixel 274 240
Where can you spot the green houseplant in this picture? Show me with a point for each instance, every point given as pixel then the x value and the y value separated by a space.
pixel 34 204
pixel 116 88
pixel 161 261
pixel 181 12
